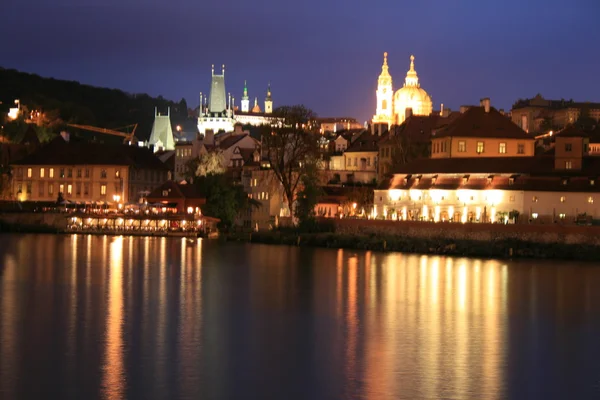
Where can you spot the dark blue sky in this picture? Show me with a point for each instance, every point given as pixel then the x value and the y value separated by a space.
pixel 325 54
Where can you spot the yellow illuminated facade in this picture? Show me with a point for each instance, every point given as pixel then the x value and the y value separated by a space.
pixel 393 108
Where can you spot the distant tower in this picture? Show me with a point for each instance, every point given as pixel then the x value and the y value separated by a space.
pixel 161 136
pixel 269 101
pixel 217 102
pixel 245 99
pixel 385 93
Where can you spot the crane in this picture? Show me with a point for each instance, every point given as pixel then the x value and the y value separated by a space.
pixel 128 137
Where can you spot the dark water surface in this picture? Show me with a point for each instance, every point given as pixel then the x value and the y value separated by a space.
pixel 86 317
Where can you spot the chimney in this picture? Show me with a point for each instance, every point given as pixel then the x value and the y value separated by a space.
pixel 463 109
pixel 407 113
pixel 485 103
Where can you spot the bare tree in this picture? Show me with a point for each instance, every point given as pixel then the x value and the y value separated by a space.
pixel 291 148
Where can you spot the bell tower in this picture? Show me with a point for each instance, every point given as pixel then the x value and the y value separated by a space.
pixel 385 93
pixel 269 101
pixel 245 99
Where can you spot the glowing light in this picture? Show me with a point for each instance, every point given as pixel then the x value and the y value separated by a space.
pixel 478 213
pixel 395 194
pixel 436 215
pixel 415 195
pixel 404 213
pixel 190 210
pixel 450 212
pixel 493 214
pixel 425 212
pixel 463 217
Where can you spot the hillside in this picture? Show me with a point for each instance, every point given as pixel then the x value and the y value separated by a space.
pixel 72 102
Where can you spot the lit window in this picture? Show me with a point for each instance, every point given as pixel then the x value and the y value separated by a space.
pixel 563 199
pixel 69 189
pixel 502 148
pixel 591 200
pixel 61 188
pixel 118 173
pixel 462 146
pixel 51 173
pixel 534 215
pixel 42 172
pixel 562 216
pixel 568 165
pixel 480 147
pixel 512 199
pixel 592 182
pixel 29 172
pixel 520 149
pixel 103 190
pixel 534 199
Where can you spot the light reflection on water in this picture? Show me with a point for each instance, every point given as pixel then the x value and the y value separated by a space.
pixel 122 317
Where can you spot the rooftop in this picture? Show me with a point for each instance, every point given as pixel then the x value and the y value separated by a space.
pixel 477 123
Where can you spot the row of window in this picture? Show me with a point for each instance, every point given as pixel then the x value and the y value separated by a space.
pixel 64 173
pixel 351 160
pixel 259 196
pixel 61 188
pixel 184 152
pixel 563 199
pixel 462 147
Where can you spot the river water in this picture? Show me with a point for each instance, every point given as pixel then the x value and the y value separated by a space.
pixel 87 317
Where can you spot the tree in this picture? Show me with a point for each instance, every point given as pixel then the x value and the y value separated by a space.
pixel 224 199
pixel 291 148
pixel 308 196
pixel 210 163
pixel 405 150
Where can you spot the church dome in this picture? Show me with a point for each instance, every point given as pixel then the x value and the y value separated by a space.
pixel 411 96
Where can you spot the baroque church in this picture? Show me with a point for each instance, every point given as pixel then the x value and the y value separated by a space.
pixel 219 113
pixel 393 108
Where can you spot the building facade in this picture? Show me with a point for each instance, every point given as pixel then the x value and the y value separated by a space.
pixel 85 172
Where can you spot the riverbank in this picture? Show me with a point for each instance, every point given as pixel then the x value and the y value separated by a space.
pixel 498 246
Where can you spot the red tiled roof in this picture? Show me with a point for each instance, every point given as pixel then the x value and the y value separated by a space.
pixel 475 122
pixel 365 142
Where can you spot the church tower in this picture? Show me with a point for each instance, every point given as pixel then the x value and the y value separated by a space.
pixel 245 99
pixel 385 93
pixel 269 101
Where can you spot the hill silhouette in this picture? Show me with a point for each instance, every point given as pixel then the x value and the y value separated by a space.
pixel 72 102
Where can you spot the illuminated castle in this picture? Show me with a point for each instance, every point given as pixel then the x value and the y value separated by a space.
pixel 218 111
pixel 393 108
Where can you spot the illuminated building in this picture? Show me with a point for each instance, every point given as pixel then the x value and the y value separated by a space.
pixel 411 99
pixel 87 172
pixel 481 132
pixel 562 187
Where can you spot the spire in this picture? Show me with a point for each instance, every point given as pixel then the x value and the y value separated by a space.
pixel 411 76
pixel 269 91
pixel 245 96
pixel 212 69
pixel 385 78
pixel 223 70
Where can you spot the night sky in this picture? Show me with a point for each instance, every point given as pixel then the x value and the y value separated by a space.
pixel 325 54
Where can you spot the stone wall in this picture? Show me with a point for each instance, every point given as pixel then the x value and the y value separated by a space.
pixel 548 234
pixel 56 221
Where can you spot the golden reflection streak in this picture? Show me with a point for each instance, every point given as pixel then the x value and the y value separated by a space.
pixel 9 336
pixel 476 283
pixel 351 317
pixel 461 354
pixel 70 337
pixel 492 334
pixel 339 270
pixel 113 379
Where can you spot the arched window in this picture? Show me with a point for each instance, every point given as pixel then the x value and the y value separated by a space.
pixel 384 105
